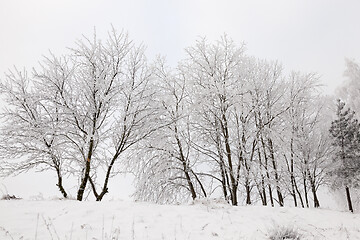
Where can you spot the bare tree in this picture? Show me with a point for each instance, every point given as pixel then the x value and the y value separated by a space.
pixel 349 90
pixel 31 129
pixel 215 73
pixel 168 157
pixel 306 141
pixel 101 92
pixel 267 93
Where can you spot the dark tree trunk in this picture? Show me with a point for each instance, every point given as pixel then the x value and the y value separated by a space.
pixel 221 164
pixel 234 184
pixel 316 200
pixel 267 171
pixel 306 193
pixel 305 174
pixel 280 197
pixel 200 183
pixel 105 189
pixel 270 195
pixel 247 179
pixel 85 179
pixel 190 184
pixel 293 181
pixel 293 193
pixel 185 166
pixel 261 189
pixel 264 191
pixel 300 197
pixel 261 194
pixel 56 163
pixel 59 183
pixel 348 197
pixel 186 169
pixel 223 180
pixel 248 192
pixel 313 190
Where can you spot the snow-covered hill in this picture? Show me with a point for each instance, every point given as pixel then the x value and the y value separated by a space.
pixel 22 219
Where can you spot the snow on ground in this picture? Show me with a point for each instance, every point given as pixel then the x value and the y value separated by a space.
pixel 70 219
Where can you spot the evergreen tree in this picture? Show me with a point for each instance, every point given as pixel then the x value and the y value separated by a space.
pixel 346 136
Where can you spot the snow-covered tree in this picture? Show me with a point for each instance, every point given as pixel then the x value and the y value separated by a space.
pixel 306 142
pixel 166 170
pixel 267 93
pixel 214 71
pixel 349 90
pixel 102 94
pixel 345 130
pixel 31 129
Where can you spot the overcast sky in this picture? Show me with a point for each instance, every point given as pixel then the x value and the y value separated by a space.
pixel 311 36
pixel 305 35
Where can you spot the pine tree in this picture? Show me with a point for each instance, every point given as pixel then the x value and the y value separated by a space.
pixel 346 136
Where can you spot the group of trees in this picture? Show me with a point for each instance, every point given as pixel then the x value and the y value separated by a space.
pixel 238 128
pixel 220 124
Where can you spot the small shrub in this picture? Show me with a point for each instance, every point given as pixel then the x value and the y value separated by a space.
pixel 9 197
pixel 284 233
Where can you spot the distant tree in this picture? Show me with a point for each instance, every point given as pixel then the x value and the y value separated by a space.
pixel 346 136
pixel 349 90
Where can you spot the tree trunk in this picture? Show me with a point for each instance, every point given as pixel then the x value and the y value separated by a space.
pixel 224 175
pixel 261 189
pixel 59 184
pixel 234 185
pixel 223 180
pixel 313 190
pixel 248 192
pixel 300 197
pixel 105 188
pixel 270 195
pixel 221 164
pixel 190 184
pixel 200 183
pixel 348 197
pixel 185 166
pixel 316 200
pixel 264 191
pixel 306 193
pixel 293 181
pixel 85 179
pixel 280 197
pixel 293 193
pixel 267 171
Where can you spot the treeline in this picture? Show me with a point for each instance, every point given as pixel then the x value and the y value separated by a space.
pixel 221 124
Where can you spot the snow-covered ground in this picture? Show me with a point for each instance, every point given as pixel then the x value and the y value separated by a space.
pixel 69 219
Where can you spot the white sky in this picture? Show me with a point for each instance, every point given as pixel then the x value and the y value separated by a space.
pixel 304 35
